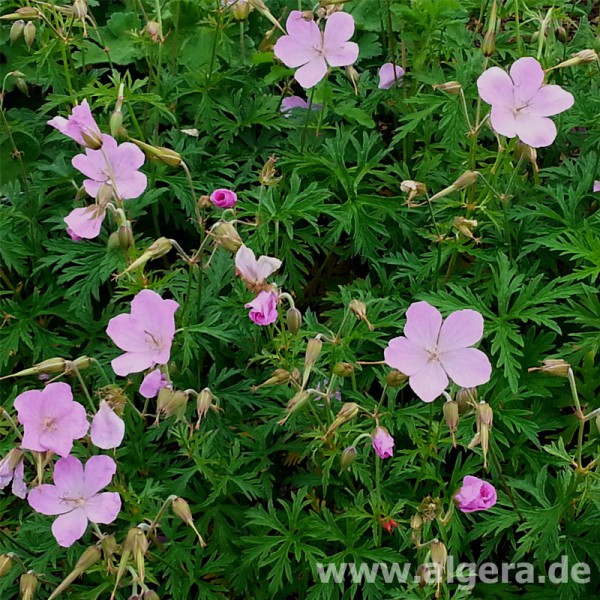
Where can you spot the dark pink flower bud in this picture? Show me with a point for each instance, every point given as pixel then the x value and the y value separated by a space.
pixel 223 198
pixel 475 494
pixel 383 442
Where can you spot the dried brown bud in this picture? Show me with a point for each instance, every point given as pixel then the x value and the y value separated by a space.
pixel 451 87
pixel 551 366
pixel 359 308
pixel 152 28
pixel 343 369
pixel 268 173
pixel 172 402
pixel 5 564
pixel 395 378
pixel 465 227
pixel 28 585
pixel 80 9
pixel 182 509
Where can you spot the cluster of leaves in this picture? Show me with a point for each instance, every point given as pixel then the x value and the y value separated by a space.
pixel 271 500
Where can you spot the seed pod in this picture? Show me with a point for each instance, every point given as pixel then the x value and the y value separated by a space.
pixel 172 402
pixel 182 509
pixel 268 173
pixel 293 319
pixel 240 10
pixel 466 179
pixel 25 12
pixel 157 249
pixel 488 48
pixel 313 349
pixel 116 122
pixel 348 456
pixel 279 376
pixel 135 544
pixel 89 557
pixel 451 416
pixel 359 309
pixel 395 378
pixel 29 37
pixel 16 31
pixel 555 367
pixel 125 235
pixel 348 411
pixel 204 403
pixel 5 564
pixel 22 86
pixel 343 369
pixel 80 9
pixel 294 404
pixel 485 418
pixel 451 87
pixel 150 595
pixel 27 585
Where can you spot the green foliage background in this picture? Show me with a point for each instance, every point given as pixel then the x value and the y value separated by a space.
pixel 271 500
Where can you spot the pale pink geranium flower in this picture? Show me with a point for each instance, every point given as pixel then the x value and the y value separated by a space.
pixel 145 335
pixel 429 352
pixel 475 494
pixel 263 309
pixel 389 75
pixel 305 46
pixel 85 223
pixel 76 497
pixel 254 272
pixel 596 186
pixel 383 442
pixel 12 469
pixel 80 126
pixel 115 165
pixel 153 383
pixel 51 419
pixel 521 103
pixel 108 429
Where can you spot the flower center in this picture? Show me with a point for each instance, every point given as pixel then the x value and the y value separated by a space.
pixel 434 355
pixel 153 341
pixel 77 502
pixel 49 424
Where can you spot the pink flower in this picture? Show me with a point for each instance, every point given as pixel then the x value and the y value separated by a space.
pixel 429 352
pixel 12 469
pixel 108 429
pixel 263 309
pixel 292 102
pixel 85 223
pixel 145 335
pixel 223 198
pixel 114 165
pixel 521 104
pixel 387 79
pixel 80 126
pixel 306 47
pixel 254 272
pixel 76 497
pixel 153 383
pixel 73 235
pixel 475 494
pixel 383 442
pixel 51 419
pixel 596 186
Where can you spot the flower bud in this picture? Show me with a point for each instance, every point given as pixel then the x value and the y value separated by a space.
pixel 348 456
pixel 182 509
pixel 416 522
pixel 16 31
pixel 450 87
pixel 240 10
pixel 125 235
pixel 555 367
pixel 451 416
pixel 343 369
pixel 150 595
pixel 523 151
pixel 439 556
pixel 22 86
pixel 561 34
pixel 395 378
pixel 204 403
pixel 5 564
pixel 466 179
pixel 165 155
pixel 27 585
pixel 294 403
pixel 313 349
pixel 581 57
pixel 489 44
pixel 116 122
pixel 484 418
pixel 268 172
pixel 466 397
pixel 204 202
pixel 89 557
pixel 157 249
pixel 25 12
pixel 359 309
pixel 279 376
pixel 29 37
pixel 136 544
pixel 226 236
pixel 80 9
pixel 348 411
pixel 293 319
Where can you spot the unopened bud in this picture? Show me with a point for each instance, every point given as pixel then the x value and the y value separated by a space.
pixel 29 36
pixel 28 585
pixel 80 9
pixel 293 319
pixel 116 122
pixel 22 86
pixel 466 179
pixel 16 31
pixel 561 34
pixel 165 155
pixel 150 595
pixel 489 44
pixel 582 57
pixel 348 411
pixel 416 522
pixel 348 456
pixel 395 378
pixel 313 349
pixel 524 151
pixel 204 403
pixel 413 188
pixel 152 28
pixel 136 544
pixel 5 564
pixel 240 10
pixel 466 397
pixel 359 309
pixel 439 555
pixel 343 369
pixel 25 12
pixel 294 403
pixel 125 235
pixel 451 416
pixel 485 418
pixel 89 557
pixel 157 249
pixel 450 87
pixel 226 236
pixel 279 376
pixel 555 367
pixel 182 509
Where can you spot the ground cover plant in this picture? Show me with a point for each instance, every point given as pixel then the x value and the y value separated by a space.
pixel 289 287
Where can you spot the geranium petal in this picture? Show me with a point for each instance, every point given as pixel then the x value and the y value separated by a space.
pixel 266 266
pixel 430 382
pixel 537 132
pixel 129 157
pixel 68 528
pixel 503 120
pixel 68 476
pixel 103 508
pixel 294 52
pixel 467 367
pixel 131 184
pixel 47 500
pixel 28 405
pixel 86 222
pixel 99 471
pixel 550 100
pixel 461 329
pixel 423 323
pixel 527 75
pixel 132 362
pixel 345 55
pixel 406 356
pixel 496 87
pixel 338 30
pixel 108 429
pixel 311 73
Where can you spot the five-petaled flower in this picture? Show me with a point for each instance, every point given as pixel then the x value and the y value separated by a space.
pixel 80 126
pixel 254 272
pixel 305 46
pixel 429 352
pixel 51 419
pixel 521 103
pixel 263 309
pixel 145 335
pixel 475 494
pixel 76 497
pixel 85 223
pixel 116 165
